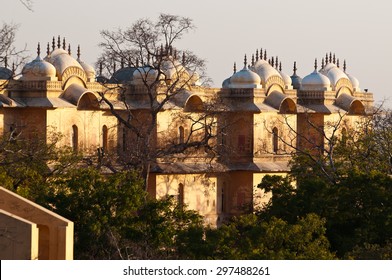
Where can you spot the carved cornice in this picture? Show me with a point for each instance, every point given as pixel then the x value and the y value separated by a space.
pixel 73 71
pixel 343 82
pixel 274 80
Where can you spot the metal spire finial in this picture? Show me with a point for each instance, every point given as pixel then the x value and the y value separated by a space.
pixel 100 68
pixel 64 44
pixel 253 59
pixel 58 42
pixel 337 63
pixel 245 61
pixel 114 66
pixel 183 58
pixel 272 61
pixel 235 68
pixel 78 52
pixel 322 63
pixel 280 66
pixel 48 49
pixel 344 66
pixel 257 55
pixel 69 49
pixel 295 68
pixel 6 62
pixel 277 61
pixel 334 59
pixel 330 57
pixel 315 64
pixel 38 50
pixel 122 62
pixel 326 58
pixel 53 43
pixel 265 54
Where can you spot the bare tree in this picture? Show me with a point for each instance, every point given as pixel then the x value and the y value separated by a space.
pixel 28 4
pixel 157 79
pixel 10 57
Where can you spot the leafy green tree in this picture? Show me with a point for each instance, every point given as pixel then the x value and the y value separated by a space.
pixel 248 237
pixel 357 209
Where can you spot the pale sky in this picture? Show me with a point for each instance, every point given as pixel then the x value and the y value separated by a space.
pixel 295 30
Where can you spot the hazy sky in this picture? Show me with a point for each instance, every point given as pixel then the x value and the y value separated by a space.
pixel 300 30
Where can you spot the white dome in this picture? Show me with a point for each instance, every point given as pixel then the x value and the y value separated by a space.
pixel 173 69
pixel 287 80
pixel 265 70
pixel 226 83
pixel 245 79
pixel 144 75
pixel 315 81
pixel 354 82
pixel 61 60
pixel 334 73
pixel 90 71
pixel 38 70
pixel 195 78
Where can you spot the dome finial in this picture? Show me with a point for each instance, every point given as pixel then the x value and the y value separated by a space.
pixel 13 68
pixel 38 49
pixel 295 68
pixel 183 58
pixel 48 49
pixel 6 62
pixel 114 66
pixel 315 64
pixel 272 61
pixel 64 44
pixel 235 68
pixel 344 66
pixel 69 49
pixel 58 42
pixel 277 61
pixel 257 54
pixel 330 57
pixel 265 54
pixel 261 53
pixel 326 58
pixel 122 61
pixel 322 63
pixel 100 68
pixel 78 52
pixel 334 59
pixel 337 63
pixel 245 61
pixel 253 59
pixel 280 66
pixel 53 43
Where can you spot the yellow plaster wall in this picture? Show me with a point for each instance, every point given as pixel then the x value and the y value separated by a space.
pixel 200 192
pixel 18 238
pixel 89 123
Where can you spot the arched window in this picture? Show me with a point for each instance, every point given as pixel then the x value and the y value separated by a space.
pixel 223 204
pixel 275 139
pixel 75 138
pixel 105 138
pixel 124 139
pixel 180 197
pixel 181 135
